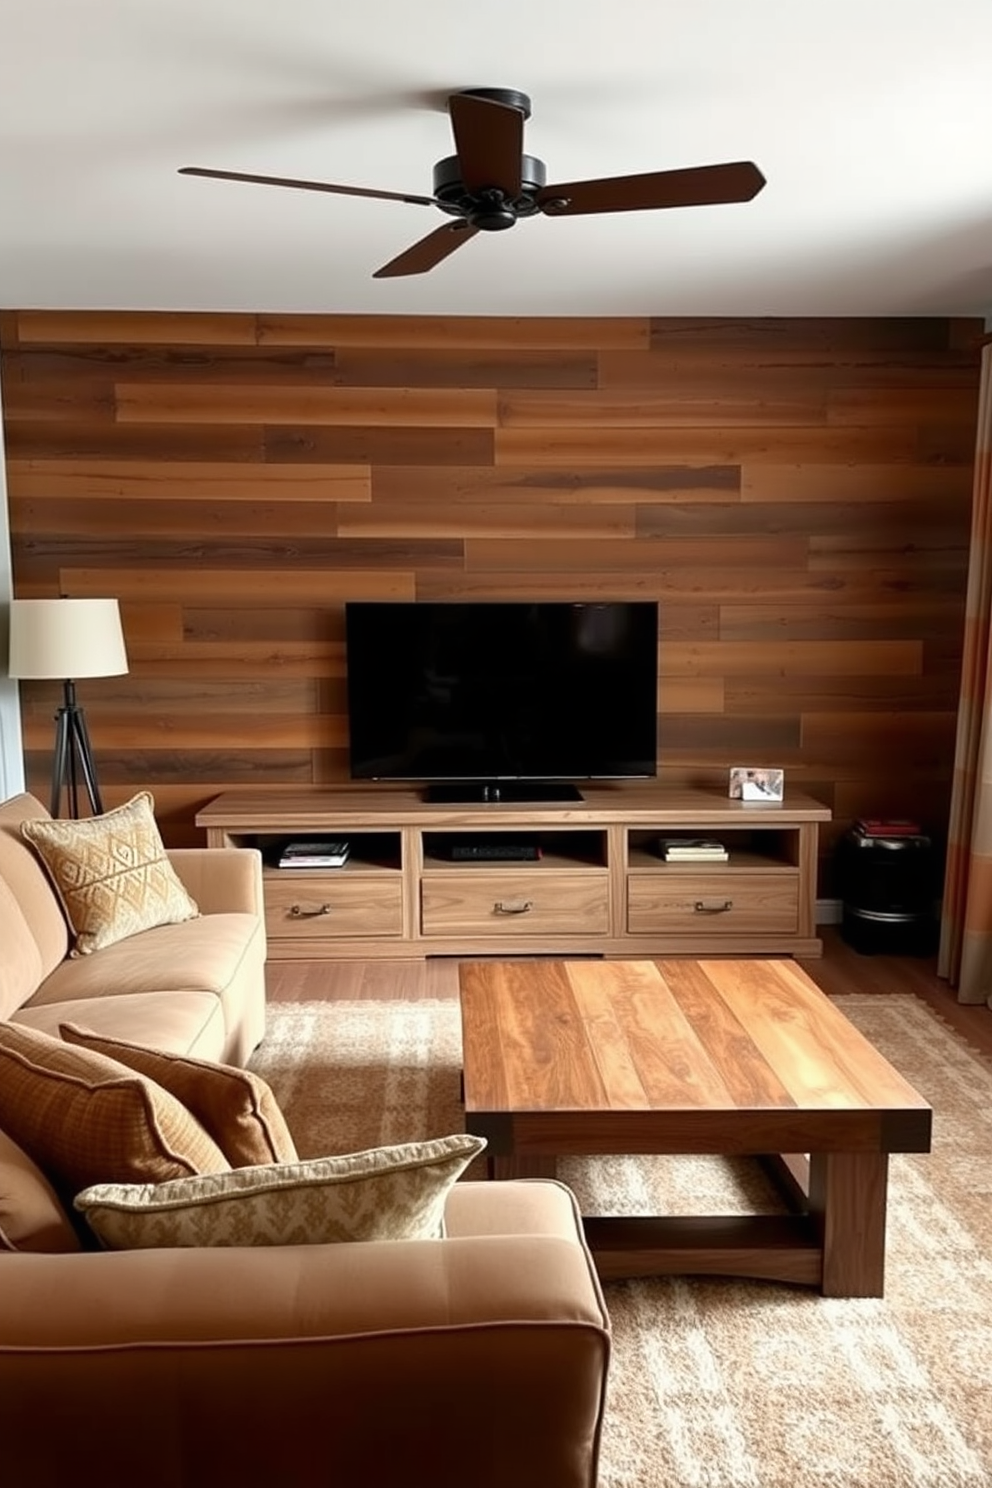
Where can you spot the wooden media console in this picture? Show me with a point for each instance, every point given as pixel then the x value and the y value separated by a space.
pixel 596 886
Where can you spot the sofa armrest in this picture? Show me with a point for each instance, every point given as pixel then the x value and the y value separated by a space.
pixel 222 880
pixel 479 1358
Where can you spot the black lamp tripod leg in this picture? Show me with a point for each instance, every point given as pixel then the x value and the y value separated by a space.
pixel 72 750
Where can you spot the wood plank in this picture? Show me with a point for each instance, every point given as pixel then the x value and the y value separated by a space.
pixel 851 338
pixel 185 521
pixel 389 407
pixel 796 658
pixel 865 480
pixel 379 445
pixel 162 327
pixel 641 408
pixel 541 486
pixel 820 1058
pixel 580 553
pixel 188 480
pixel 464 367
pixel 887 620
pixel 72 440
pixel 597 445
pixel 195 732
pixel 870 694
pixel 530 333
pixel 280 587
pixel 860 525
pixel 866 406
pixel 728 1045
pixel 652 1036
pixel 409 519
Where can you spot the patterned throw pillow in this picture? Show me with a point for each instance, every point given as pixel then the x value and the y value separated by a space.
pixel 86 1119
pixel 235 1106
pixel 111 873
pixel 387 1193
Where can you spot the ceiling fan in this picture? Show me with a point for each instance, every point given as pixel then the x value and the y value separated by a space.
pixel 489 182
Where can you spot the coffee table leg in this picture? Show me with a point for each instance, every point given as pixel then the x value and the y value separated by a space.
pixel 847 1200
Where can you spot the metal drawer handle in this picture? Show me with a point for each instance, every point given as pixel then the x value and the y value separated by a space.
pixel 521 907
pixel 700 908
pixel 297 912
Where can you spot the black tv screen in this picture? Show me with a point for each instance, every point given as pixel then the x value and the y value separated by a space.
pixel 465 691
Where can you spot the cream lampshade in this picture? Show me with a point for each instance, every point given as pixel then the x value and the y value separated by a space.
pixel 66 639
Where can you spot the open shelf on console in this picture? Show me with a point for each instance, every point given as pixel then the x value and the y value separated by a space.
pixel 471 849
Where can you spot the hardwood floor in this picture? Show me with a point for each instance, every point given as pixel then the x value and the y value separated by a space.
pixel 840 969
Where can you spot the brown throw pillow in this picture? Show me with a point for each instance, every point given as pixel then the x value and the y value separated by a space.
pixel 235 1106
pixel 111 873
pixel 86 1119
pixel 31 1217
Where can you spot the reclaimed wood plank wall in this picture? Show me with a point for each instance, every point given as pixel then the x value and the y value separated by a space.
pixel 795 493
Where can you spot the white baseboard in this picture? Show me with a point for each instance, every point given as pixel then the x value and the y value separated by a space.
pixel 829 911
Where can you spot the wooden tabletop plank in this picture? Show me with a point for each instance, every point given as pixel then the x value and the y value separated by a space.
pixel 728 1044
pixel 531 1029
pixel 820 1058
pixel 609 1044
pixel 670 1061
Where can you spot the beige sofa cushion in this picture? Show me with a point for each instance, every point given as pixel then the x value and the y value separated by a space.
pixel 86 1119
pixel 34 935
pixel 31 1217
pixel 111 873
pixel 236 1106
pixel 387 1193
pixel 201 955
pixel 175 1022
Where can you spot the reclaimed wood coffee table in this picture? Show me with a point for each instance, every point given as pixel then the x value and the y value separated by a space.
pixel 737 1058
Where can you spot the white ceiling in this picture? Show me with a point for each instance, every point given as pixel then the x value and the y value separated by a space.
pixel 871 119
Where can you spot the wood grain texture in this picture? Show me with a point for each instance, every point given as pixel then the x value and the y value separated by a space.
pixel 795 492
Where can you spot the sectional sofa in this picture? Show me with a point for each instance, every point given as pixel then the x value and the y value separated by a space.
pixel 480 1357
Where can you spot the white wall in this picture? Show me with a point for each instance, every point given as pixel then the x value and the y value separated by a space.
pixel 11 756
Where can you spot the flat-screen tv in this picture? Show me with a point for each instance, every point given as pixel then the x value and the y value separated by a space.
pixel 476 693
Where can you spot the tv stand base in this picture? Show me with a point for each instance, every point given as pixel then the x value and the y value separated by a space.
pixel 493 792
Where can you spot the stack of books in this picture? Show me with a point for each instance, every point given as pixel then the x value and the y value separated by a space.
pixel 323 854
pixel 887 827
pixel 692 850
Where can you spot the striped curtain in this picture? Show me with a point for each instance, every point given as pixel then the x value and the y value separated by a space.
pixel 965 956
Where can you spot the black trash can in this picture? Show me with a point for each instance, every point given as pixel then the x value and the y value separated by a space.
pixel 888 881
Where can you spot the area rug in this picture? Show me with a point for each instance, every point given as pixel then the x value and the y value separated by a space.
pixel 723 1383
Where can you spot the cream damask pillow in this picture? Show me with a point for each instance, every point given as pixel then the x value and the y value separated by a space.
pixel 386 1193
pixel 111 873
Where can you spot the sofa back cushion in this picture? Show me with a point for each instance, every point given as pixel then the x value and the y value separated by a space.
pixel 34 935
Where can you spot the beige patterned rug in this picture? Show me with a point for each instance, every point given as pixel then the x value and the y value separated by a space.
pixel 728 1384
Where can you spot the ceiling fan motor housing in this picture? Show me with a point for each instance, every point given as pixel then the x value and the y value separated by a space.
pixel 491 210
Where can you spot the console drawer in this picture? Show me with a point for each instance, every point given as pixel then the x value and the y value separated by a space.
pixel 715 903
pixel 514 903
pixel 307 906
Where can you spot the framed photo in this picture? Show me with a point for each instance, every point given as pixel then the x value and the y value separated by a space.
pixel 756 783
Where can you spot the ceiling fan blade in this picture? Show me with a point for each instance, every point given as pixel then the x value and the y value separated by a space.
pixel 429 251
pixel 222 175
pixel 699 186
pixel 489 139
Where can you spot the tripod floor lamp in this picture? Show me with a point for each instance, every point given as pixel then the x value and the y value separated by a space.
pixel 68 639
